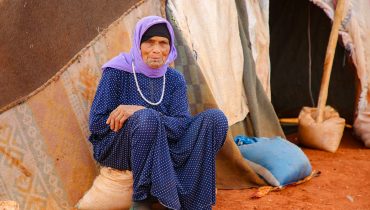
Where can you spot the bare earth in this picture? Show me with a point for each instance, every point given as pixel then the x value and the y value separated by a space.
pixel 344 183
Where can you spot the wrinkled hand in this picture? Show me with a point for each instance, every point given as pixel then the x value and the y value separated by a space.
pixel 118 116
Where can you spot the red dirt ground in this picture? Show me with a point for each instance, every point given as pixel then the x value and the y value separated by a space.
pixel 344 183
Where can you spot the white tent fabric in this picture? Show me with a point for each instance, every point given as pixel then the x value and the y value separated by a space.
pixel 216 44
pixel 259 32
pixel 355 35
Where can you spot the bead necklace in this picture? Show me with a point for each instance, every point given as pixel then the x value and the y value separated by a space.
pixel 141 94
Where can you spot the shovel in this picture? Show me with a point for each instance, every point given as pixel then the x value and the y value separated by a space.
pixel 322 127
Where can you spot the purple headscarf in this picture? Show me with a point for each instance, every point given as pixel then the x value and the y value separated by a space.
pixel 123 60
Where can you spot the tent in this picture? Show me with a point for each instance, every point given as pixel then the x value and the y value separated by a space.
pixel 48 163
pixel 299 36
pixel 289 54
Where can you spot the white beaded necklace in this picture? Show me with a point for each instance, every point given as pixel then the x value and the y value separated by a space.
pixel 141 94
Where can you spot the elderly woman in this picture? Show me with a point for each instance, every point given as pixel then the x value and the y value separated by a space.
pixel 140 121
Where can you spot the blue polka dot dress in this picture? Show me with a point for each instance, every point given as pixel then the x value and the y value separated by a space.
pixel 170 152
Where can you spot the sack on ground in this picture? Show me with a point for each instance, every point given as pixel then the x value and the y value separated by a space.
pixel 112 189
pixel 9 205
pixel 325 135
pixel 278 161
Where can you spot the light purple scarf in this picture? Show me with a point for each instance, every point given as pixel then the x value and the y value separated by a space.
pixel 123 60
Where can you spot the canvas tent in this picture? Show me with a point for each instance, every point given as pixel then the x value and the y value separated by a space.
pixel 55 155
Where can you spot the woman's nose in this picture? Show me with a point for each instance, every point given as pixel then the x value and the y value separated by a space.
pixel 156 48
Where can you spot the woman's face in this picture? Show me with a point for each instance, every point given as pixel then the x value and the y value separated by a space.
pixel 155 50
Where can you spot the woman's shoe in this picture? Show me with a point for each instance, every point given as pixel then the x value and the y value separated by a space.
pixel 141 205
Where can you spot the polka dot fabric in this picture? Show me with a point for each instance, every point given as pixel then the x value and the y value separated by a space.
pixel 170 152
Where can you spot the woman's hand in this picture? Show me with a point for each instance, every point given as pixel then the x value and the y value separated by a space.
pixel 118 116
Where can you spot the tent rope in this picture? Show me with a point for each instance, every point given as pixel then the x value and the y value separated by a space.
pixel 309 56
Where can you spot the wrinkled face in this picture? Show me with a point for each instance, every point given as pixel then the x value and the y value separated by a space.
pixel 155 50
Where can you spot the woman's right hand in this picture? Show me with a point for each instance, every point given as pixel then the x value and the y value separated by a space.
pixel 118 116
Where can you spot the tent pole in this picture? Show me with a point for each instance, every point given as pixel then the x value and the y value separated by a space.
pixel 328 64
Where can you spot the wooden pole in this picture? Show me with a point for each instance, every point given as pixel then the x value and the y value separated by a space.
pixel 330 52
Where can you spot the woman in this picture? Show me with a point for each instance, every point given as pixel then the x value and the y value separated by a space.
pixel 140 121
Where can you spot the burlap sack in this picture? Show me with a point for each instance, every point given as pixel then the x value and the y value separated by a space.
pixel 9 205
pixel 325 135
pixel 112 189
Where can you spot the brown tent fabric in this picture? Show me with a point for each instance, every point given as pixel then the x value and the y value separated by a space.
pixel 37 38
pixel 46 133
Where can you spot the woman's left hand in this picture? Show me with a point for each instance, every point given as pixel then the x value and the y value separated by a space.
pixel 118 116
